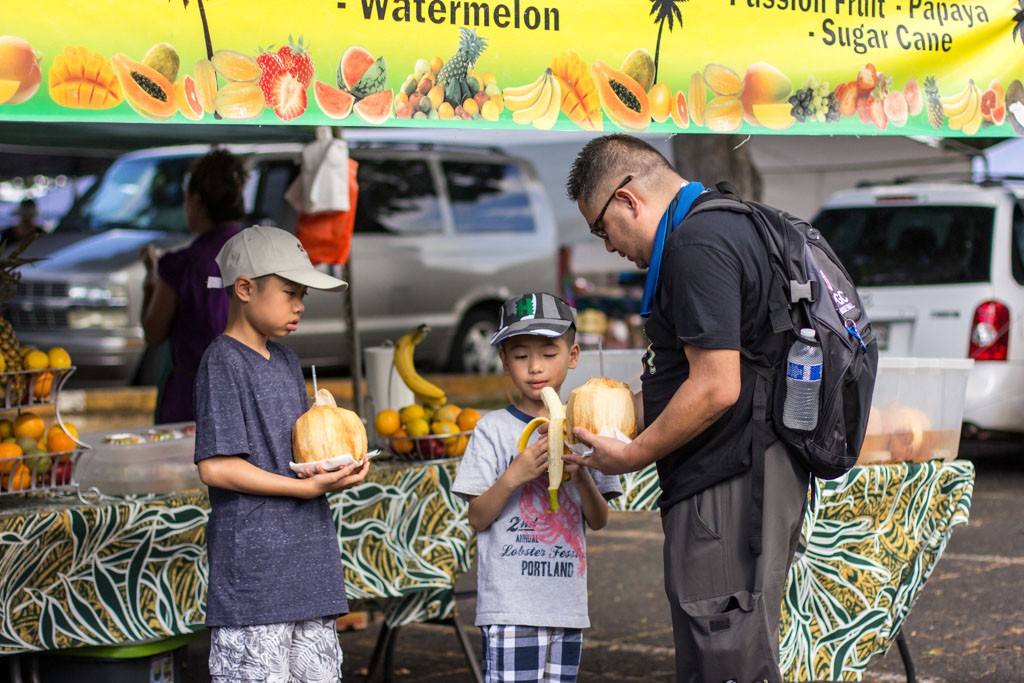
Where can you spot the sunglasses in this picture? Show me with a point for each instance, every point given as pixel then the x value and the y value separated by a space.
pixel 595 228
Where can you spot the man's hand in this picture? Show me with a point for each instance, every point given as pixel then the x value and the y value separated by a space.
pixel 610 455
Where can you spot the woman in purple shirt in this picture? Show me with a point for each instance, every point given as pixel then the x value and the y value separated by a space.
pixel 177 305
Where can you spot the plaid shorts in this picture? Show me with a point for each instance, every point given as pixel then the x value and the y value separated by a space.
pixel 294 652
pixel 531 653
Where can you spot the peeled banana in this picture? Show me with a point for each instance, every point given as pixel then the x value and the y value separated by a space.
pixel 964 109
pixel 426 392
pixel 556 441
pixel 537 103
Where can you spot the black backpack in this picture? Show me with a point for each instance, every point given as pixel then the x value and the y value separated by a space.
pixel 809 288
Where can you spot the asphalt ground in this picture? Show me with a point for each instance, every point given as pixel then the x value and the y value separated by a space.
pixel 966 626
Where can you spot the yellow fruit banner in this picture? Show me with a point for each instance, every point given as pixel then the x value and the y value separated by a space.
pixel 818 67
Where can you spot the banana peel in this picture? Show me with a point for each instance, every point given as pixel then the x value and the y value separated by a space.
pixel 556 442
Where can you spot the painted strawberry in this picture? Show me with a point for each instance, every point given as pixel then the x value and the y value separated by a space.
pixel 864 108
pixel 297 60
pixel 846 94
pixel 271 66
pixel 867 78
pixel 289 97
pixel 878 115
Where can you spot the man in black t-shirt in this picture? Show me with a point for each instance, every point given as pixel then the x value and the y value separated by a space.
pixel 705 298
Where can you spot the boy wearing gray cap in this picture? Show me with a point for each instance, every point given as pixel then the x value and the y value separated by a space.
pixel 532 577
pixel 276 584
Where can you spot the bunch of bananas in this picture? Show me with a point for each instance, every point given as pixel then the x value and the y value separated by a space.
pixel 964 109
pixel 556 442
pixel 426 392
pixel 537 103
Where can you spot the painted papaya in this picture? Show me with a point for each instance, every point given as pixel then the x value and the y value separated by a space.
pixel 146 90
pixel 623 99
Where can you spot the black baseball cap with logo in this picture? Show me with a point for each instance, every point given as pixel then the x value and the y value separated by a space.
pixel 539 313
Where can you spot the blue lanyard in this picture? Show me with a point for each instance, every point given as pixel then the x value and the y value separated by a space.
pixel 672 217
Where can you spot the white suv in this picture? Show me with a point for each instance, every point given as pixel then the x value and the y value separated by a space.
pixel 940 267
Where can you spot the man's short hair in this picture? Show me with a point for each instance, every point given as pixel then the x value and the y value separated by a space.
pixel 612 156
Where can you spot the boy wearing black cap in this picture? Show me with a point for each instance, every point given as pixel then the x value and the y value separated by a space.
pixel 532 577
pixel 276 584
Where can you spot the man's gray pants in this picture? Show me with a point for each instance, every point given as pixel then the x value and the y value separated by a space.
pixel 726 602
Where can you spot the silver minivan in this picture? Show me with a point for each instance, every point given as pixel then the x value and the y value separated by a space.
pixel 443 234
pixel 940 268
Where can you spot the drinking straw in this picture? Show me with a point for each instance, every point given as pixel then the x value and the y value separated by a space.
pixel 314 380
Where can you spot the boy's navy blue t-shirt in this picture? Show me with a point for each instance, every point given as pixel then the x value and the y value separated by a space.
pixel 272 559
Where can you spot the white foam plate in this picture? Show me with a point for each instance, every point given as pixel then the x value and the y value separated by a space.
pixel 330 464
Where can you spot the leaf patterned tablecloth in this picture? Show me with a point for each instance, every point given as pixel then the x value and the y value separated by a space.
pixel 134 568
pixel 868 546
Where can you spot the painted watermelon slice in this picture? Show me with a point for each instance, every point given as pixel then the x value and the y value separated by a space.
pixel 353 65
pixel 334 102
pixel 375 109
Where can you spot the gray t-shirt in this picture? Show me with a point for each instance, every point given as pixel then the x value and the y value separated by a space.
pixel 532 564
pixel 273 559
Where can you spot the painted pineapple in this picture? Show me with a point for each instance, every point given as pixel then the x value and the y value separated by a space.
pixel 452 76
pixel 936 116
pixel 11 386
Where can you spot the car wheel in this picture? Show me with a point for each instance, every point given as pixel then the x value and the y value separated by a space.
pixel 471 350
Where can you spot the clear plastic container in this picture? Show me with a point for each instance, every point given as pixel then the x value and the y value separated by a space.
pixel 158 459
pixel 917 410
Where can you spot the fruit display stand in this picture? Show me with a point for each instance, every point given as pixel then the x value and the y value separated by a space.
pixel 37 469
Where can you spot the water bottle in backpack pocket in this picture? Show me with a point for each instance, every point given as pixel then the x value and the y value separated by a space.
pixel 803 382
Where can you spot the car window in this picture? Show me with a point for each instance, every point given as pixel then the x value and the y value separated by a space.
pixel 487 197
pixel 911 245
pixel 396 196
pixel 141 194
pixel 1017 252
pixel 265 203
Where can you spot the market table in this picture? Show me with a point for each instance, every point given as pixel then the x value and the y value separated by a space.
pixel 868 545
pixel 134 568
pixel 131 569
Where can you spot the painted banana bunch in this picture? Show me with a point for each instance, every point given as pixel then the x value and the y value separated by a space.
pixel 426 392
pixel 964 109
pixel 537 103
pixel 556 441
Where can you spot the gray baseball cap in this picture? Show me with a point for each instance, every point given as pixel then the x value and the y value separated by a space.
pixel 541 314
pixel 261 250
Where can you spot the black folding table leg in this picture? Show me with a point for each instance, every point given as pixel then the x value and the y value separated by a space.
pixel 467 647
pixel 908 663
pixel 381 650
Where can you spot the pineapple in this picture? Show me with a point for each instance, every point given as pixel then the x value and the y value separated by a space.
pixel 11 386
pixel 452 76
pixel 936 116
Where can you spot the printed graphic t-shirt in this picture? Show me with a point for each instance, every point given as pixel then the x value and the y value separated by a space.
pixel 273 559
pixel 533 564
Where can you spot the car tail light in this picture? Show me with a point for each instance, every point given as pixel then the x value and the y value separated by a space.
pixel 990 332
